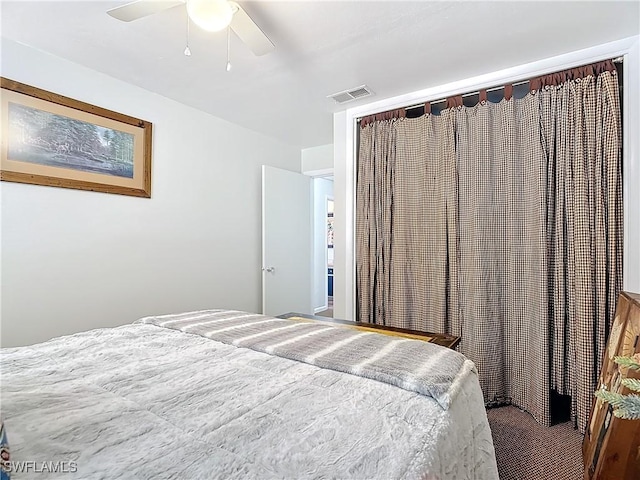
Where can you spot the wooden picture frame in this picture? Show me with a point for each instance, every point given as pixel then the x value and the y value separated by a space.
pixel 49 139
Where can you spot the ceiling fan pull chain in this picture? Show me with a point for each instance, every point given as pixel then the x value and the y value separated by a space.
pixel 187 50
pixel 228 48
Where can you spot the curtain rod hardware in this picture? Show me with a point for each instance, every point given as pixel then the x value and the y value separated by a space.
pixel 508 86
pixel 435 102
pixel 492 89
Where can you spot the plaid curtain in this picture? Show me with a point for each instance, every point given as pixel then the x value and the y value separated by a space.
pixel 406 194
pixel 374 197
pixel 581 135
pixel 502 248
pixel 500 223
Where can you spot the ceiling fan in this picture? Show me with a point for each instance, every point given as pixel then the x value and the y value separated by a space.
pixel 210 15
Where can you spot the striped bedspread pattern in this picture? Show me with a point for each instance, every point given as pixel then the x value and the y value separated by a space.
pixel 413 365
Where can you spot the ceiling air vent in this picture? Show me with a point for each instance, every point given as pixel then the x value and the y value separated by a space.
pixel 352 94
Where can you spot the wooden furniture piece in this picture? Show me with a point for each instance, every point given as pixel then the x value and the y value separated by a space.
pixel 449 341
pixel 611 447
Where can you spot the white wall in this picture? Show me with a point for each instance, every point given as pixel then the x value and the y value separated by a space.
pixel 322 189
pixel 75 260
pixel 344 155
pixel 343 218
pixel 317 158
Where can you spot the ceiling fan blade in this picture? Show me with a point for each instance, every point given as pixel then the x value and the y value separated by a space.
pixel 249 32
pixel 142 8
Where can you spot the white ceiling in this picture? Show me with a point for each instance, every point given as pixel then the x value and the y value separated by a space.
pixel 322 47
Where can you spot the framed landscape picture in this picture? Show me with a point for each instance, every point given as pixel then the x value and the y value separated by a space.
pixel 48 139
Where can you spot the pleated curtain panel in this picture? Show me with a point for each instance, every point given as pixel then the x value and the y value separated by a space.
pixel 500 223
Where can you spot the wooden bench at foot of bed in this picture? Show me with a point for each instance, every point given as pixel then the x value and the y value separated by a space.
pixel 449 341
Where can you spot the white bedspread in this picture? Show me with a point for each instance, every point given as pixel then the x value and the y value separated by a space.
pixel 146 402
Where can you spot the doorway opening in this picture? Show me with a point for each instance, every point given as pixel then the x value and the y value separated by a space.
pixel 323 252
pixel 329 249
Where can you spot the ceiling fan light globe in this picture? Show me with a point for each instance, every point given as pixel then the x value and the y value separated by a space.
pixel 210 15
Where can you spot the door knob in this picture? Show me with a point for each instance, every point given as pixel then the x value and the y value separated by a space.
pixel 269 269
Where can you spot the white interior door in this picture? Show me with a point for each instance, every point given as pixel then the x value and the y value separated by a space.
pixel 286 241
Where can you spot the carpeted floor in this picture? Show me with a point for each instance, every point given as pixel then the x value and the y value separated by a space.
pixel 527 451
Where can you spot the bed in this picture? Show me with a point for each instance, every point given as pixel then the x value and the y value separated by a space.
pixel 229 394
